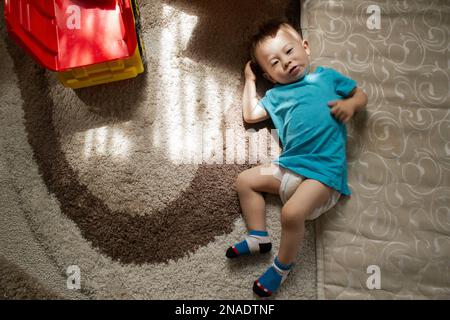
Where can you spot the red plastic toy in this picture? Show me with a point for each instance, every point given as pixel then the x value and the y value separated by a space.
pixel 66 34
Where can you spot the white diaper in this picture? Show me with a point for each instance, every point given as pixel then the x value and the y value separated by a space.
pixel 289 183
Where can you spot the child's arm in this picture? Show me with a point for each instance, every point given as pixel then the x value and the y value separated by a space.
pixel 344 110
pixel 252 112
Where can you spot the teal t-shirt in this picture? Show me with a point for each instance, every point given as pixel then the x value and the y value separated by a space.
pixel 314 142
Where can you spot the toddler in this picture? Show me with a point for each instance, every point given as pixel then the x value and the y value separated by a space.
pixel 309 110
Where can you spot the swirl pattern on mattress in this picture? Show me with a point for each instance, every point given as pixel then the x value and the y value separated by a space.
pixel 392 238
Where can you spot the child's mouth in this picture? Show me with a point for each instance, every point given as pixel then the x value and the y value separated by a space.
pixel 294 69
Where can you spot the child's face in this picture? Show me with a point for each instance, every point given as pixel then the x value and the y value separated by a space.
pixel 285 57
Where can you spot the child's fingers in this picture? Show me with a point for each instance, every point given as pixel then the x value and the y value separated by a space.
pixel 332 103
pixel 248 67
pixel 337 112
pixel 334 110
pixel 341 115
pixel 337 117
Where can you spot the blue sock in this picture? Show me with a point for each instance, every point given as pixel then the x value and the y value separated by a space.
pixel 255 242
pixel 271 280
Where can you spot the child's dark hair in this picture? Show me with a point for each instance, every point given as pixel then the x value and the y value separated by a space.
pixel 268 30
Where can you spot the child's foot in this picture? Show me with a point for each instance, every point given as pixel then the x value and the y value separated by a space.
pixel 271 280
pixel 255 242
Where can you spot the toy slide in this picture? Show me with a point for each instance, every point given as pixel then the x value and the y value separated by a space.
pixel 85 42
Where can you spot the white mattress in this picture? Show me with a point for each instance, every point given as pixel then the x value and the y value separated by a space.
pixel 391 239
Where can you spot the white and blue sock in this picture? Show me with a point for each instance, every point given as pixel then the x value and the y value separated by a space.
pixel 271 280
pixel 256 242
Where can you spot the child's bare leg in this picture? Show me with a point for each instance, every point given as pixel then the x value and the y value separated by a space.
pixel 310 194
pixel 249 185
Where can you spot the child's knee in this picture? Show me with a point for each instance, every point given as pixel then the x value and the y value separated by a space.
pixel 292 217
pixel 242 181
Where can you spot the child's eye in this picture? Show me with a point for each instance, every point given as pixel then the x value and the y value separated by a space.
pixel 289 51
pixel 274 62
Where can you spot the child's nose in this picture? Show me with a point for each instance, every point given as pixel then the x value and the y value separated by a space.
pixel 287 62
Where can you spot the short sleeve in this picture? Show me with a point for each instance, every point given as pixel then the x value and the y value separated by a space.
pixel 267 102
pixel 343 84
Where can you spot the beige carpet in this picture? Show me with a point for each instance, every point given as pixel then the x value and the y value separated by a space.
pixel 113 178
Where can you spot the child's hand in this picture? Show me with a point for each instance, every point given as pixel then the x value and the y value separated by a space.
pixel 341 110
pixel 249 74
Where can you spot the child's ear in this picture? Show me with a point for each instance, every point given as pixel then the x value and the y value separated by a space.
pixel 268 77
pixel 305 45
